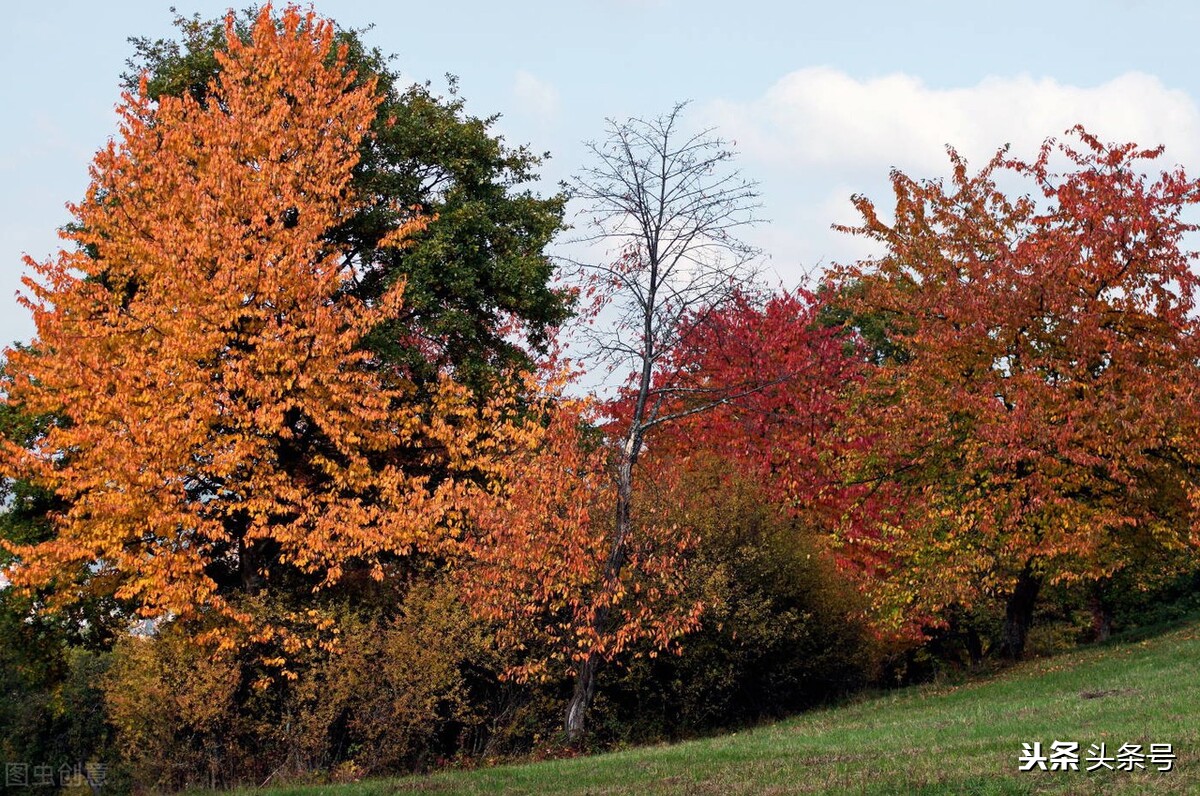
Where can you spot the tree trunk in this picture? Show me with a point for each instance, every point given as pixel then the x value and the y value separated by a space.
pixel 974 645
pixel 581 699
pixel 585 681
pixel 1018 614
pixel 1102 614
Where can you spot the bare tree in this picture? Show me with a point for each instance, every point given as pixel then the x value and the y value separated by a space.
pixel 671 204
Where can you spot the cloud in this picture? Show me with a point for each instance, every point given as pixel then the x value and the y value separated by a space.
pixel 535 96
pixel 825 119
pixel 819 135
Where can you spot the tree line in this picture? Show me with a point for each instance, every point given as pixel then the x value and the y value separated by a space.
pixel 298 483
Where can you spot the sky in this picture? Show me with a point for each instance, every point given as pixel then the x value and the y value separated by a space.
pixel 822 100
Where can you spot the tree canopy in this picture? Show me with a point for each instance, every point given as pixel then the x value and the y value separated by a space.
pixel 216 420
pixel 1040 424
pixel 477 279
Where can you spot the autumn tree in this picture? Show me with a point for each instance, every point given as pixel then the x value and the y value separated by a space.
pixel 670 205
pixel 1037 414
pixel 538 561
pixel 477 294
pixel 785 376
pixel 215 420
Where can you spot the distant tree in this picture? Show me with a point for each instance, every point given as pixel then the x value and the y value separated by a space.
pixel 1040 422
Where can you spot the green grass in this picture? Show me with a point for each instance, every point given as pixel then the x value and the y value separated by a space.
pixel 940 739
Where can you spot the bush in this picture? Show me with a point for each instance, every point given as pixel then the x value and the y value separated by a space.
pixel 362 694
pixel 51 710
pixel 174 707
pixel 782 631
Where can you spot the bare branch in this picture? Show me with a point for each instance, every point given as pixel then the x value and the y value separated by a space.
pixel 724 400
pixel 673 204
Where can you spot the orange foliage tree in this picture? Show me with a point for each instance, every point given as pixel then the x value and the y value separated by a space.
pixel 217 419
pixel 540 559
pixel 1036 418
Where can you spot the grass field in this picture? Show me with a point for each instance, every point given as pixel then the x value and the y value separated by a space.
pixel 938 739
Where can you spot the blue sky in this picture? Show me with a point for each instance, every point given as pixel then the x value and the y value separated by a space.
pixel 821 98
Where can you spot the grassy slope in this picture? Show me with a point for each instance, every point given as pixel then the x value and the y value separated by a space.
pixel 946 739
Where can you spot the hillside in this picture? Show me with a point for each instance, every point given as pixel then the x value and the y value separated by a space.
pixel 937 739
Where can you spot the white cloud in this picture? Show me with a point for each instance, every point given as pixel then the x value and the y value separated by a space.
pixel 535 96
pixel 819 135
pixel 823 118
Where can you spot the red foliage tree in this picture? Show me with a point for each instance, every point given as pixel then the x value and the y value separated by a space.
pixel 780 377
pixel 1038 419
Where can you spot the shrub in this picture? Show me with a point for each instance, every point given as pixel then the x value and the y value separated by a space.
pixel 360 693
pixel 782 631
